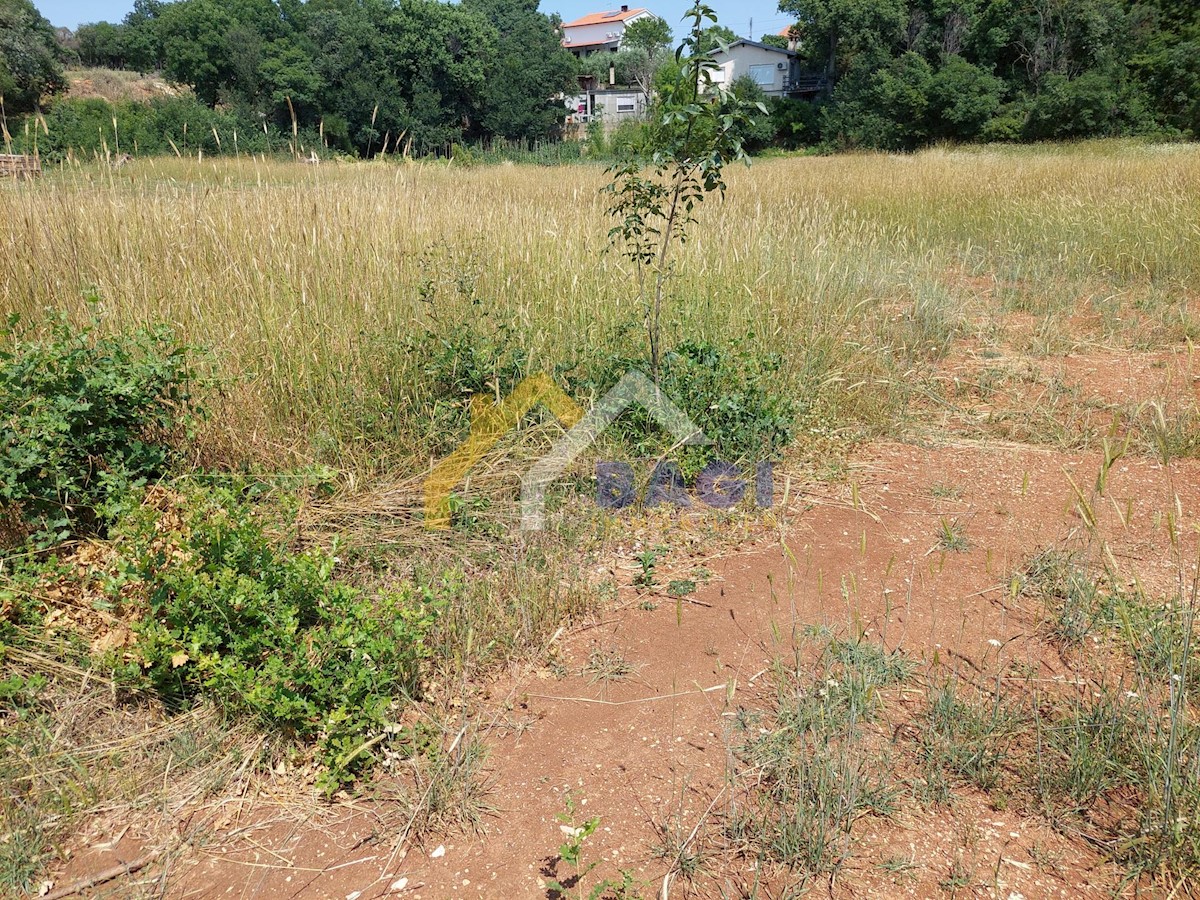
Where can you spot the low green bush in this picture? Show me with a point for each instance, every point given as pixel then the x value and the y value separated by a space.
pixel 268 633
pixel 84 419
pixel 733 394
pixel 164 126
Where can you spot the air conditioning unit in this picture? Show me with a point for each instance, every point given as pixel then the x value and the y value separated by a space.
pixel 781 66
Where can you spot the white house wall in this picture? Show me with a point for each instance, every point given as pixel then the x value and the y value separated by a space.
pixel 737 62
pixel 581 35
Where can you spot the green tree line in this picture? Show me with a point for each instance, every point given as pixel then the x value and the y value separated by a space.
pixel 909 72
pixel 414 73
pixel 359 75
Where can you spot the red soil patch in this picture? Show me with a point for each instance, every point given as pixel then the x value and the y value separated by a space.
pixel 652 750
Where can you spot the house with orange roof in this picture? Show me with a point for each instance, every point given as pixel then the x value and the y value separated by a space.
pixel 602 31
pixel 792 33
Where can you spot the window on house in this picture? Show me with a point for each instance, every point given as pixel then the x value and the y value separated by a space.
pixel 763 75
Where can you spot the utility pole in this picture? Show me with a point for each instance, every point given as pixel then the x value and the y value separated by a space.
pixel 750 36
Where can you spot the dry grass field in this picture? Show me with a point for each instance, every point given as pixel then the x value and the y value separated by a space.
pixel 955 658
pixel 306 282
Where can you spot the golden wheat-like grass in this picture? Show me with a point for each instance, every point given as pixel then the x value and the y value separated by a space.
pixel 306 281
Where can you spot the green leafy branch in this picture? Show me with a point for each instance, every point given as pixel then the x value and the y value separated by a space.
pixel 654 195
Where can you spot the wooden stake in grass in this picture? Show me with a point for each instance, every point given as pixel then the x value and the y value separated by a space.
pixel 4 127
pixel 295 128
pixel 83 884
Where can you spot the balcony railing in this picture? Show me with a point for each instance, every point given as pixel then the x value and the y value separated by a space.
pixel 807 83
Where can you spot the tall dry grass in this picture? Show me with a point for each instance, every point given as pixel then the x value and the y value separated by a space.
pixel 307 281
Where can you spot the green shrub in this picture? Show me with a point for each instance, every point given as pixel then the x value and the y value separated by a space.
pixel 84 418
pixel 628 138
pixel 267 633
pixel 455 363
pixel 885 108
pixel 734 395
pixel 962 98
pixel 759 129
pixel 1066 108
pixel 165 125
pixel 795 123
pixel 1008 124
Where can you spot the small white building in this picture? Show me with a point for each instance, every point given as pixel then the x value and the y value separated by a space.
pixel 610 106
pixel 602 31
pixel 774 69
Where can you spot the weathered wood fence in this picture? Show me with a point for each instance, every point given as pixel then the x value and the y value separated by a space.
pixel 14 165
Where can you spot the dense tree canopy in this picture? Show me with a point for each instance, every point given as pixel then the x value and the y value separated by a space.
pixel 29 64
pixel 528 66
pixel 424 74
pixel 911 71
pixel 365 72
pixel 648 33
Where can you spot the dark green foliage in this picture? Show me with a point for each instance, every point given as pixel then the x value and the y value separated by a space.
pixel 29 62
pixel 464 362
pixel 163 126
pixel 419 75
pixel 141 40
pixel 266 632
pixel 423 75
pixel 197 46
pixel 758 128
pixel 734 394
pixel 457 363
pixel 84 418
pixel 101 44
pixel 885 107
pixel 962 98
pixel 649 33
pixel 909 72
pixel 439 53
pixel 795 123
pixel 528 66
pixel 842 35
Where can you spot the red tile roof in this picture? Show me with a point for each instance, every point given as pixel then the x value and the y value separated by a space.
pixel 602 18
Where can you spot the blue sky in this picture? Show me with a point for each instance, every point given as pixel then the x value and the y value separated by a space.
pixel 734 13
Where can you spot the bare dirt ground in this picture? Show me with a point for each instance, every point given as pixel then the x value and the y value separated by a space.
pixel 647 746
pixel 650 751
pixel 114 85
